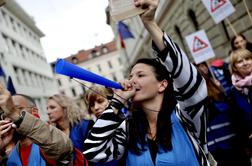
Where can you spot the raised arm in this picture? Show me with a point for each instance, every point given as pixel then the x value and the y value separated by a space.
pixel 55 144
pixel 190 88
pixel 106 140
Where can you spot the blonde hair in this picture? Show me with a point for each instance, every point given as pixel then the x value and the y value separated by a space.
pixel 235 55
pixel 71 109
pixel 92 94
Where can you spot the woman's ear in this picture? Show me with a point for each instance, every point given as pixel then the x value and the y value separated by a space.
pixel 163 85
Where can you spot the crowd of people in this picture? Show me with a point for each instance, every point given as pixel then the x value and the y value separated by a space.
pixel 168 112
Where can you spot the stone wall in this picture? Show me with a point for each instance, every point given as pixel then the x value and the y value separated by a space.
pixel 219 35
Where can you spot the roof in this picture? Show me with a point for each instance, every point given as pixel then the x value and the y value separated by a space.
pixel 84 55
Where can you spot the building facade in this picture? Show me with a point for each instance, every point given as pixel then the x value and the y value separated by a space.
pixel 182 17
pixel 104 60
pixel 22 56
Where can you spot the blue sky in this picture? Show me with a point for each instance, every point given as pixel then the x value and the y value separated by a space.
pixel 69 25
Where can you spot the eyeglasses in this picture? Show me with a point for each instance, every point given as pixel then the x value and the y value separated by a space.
pixel 19 108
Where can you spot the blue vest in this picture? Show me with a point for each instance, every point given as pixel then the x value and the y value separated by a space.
pixel 223 76
pixel 78 134
pixel 182 152
pixel 244 104
pixel 220 131
pixel 35 158
pixel 111 163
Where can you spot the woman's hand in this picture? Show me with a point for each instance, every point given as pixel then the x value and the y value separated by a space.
pixel 150 7
pixel 126 93
pixel 6 104
pixel 148 19
pixel 6 133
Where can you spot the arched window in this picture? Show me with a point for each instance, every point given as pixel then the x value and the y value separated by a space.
pixel 193 19
pixel 225 30
pixel 104 50
pixel 177 30
pixel 94 53
pixel 74 60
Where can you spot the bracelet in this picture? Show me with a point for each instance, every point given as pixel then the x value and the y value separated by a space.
pixel 121 109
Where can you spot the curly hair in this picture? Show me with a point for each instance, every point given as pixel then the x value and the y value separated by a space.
pixel 71 109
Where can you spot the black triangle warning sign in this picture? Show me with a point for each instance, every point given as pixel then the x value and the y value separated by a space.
pixel 215 4
pixel 198 44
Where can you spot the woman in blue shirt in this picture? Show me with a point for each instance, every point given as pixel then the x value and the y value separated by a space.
pixel 160 131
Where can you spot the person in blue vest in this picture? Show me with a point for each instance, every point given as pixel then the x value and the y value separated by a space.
pixel 33 146
pixel 221 73
pixel 65 114
pixel 166 96
pixel 241 69
pixel 97 100
pixel 223 138
pixel 25 152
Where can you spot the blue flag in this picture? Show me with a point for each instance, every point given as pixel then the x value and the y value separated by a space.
pixel 10 86
pixel 124 31
pixel 1 72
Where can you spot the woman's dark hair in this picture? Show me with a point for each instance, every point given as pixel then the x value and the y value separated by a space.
pixel 138 124
pixel 214 91
pixel 233 39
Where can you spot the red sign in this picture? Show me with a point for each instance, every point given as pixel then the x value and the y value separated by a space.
pixel 198 44
pixel 215 4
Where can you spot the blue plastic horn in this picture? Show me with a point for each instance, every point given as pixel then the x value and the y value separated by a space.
pixel 65 68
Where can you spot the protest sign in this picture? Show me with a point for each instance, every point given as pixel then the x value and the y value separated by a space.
pixel 122 9
pixel 219 9
pixel 199 46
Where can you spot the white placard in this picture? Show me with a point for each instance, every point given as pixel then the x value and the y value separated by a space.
pixel 219 9
pixel 122 9
pixel 199 46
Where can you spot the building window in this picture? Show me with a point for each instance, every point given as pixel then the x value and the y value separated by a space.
pixel 17 74
pixel 94 53
pixel 59 82
pixel 83 89
pixel 73 92
pixel 21 50
pixel 13 24
pixel 193 19
pixel 99 68
pixel 104 50
pixel 5 17
pixel 110 64
pixel 25 77
pixel 177 30
pixel 53 66
pixel 1 56
pixel 120 60
pixel 31 78
pixel 74 60
pixel 114 77
pixel 225 30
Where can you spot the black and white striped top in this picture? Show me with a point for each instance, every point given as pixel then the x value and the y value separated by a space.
pixel 108 137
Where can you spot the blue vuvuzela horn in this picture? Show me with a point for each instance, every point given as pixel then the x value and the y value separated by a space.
pixel 65 68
